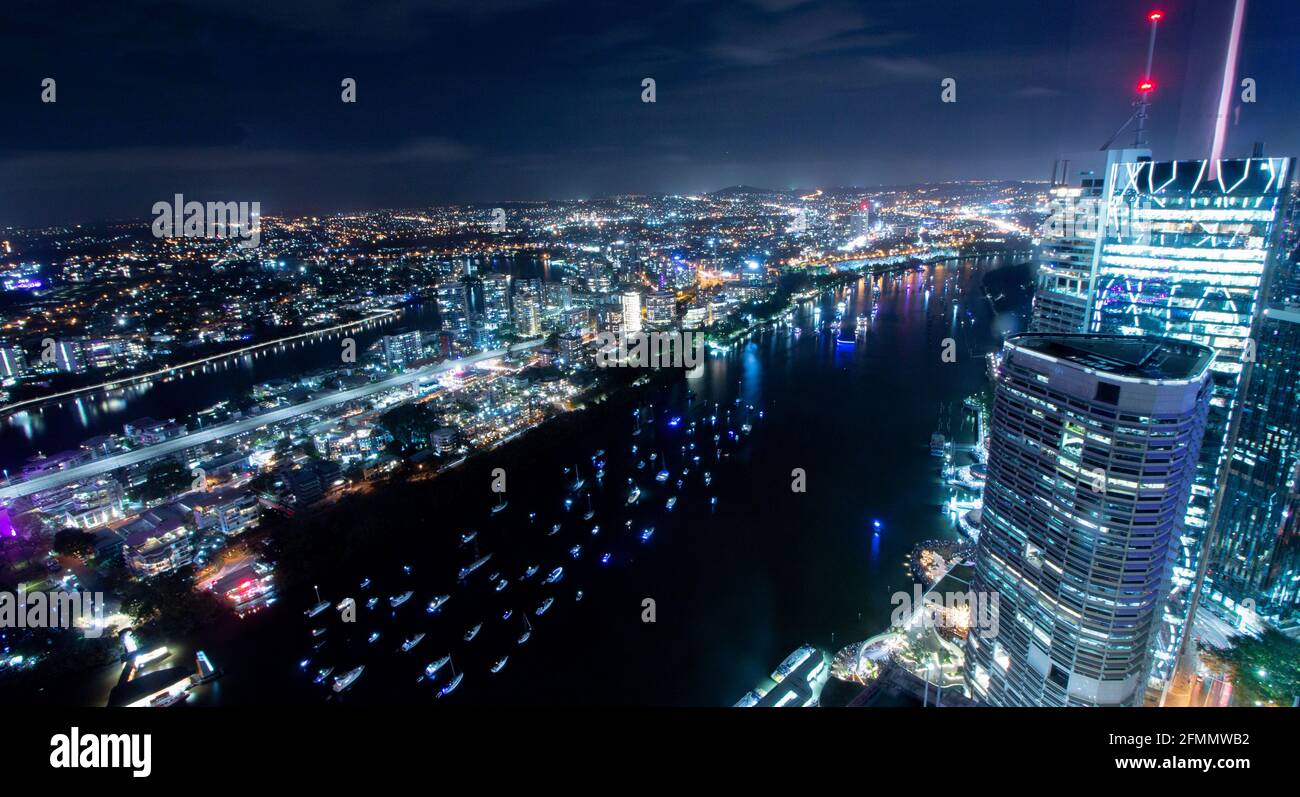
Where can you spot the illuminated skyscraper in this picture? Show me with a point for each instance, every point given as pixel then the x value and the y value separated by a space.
pixel 1093 447
pixel 495 313
pixel 661 309
pixel 631 301
pixel 528 307
pixel 1261 474
pixel 1068 253
pixel 1184 254
pixel 402 349
pixel 453 307
pixel 13 362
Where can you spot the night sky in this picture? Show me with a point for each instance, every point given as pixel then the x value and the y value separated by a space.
pixel 498 100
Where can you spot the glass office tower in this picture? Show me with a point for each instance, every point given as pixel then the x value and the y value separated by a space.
pixel 1184 254
pixel 1093 448
pixel 1247 558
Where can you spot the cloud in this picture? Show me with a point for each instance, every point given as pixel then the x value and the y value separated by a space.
pixel 219 158
pixel 910 68
pixel 1037 92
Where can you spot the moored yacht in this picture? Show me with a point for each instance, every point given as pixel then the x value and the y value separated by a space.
pixel 464 572
pixel 320 606
pixel 451 685
pixel 345 680
pixel 432 668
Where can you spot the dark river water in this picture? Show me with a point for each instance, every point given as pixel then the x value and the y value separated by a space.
pixel 736 586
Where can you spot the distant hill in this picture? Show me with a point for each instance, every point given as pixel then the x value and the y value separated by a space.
pixel 746 190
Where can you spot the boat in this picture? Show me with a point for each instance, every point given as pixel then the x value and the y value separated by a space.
pixel 595 530
pixel 167 699
pixel 318 632
pixel 498 507
pixel 647 533
pixel 546 604
pixel 662 476
pixel 494 576
pixel 345 604
pixel 672 502
pixel 578 481
pixel 640 465
pixel 554 530
pixel 531 571
pixel 468 536
pixel 365 583
pixel 579 596
pixel 708 478
pixel 436 603
pixel 451 685
pixel 322 674
pixel 938 447
pixel 319 607
pixel 412 642
pixel 524 636
pixel 373 638
pixel 345 680
pixel 473 632
pixel 590 513
pixel 398 600
pixel 501 584
pixel 575 551
pixel 432 668
pixel 555 575
pixel 370 604
pixel 472 566
pixel 634 496
pixel 500 664
pixel 605 557
pixel 506 614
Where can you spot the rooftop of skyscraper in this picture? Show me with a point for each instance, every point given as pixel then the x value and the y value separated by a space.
pixel 1153 358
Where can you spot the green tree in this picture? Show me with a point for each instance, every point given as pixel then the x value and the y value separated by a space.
pixel 1264 669
pixel 409 424
pixel 169 605
pixel 164 479
pixel 74 542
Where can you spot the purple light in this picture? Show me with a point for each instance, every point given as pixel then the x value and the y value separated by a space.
pixel 23 284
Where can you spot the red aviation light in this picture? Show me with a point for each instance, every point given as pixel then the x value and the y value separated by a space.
pixel 1156 16
pixel 1146 86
